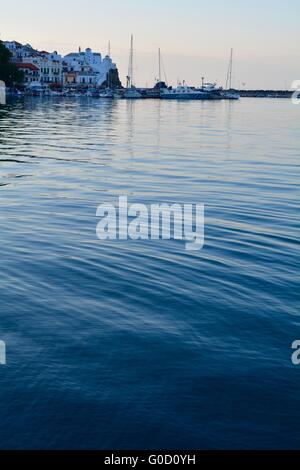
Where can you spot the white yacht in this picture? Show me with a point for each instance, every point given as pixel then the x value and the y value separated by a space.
pixel 208 91
pixel 231 95
pixel 108 93
pixel 132 94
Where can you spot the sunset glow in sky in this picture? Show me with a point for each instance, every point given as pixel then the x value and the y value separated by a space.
pixel 195 36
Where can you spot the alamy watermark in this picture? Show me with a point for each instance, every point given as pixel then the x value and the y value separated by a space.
pixel 296 353
pixel 2 92
pixel 122 221
pixel 296 94
pixel 2 353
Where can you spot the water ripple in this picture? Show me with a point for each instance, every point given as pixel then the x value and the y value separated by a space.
pixel 142 344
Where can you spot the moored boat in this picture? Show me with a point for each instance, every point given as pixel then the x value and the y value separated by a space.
pixel 182 92
pixel 208 91
pixel 131 93
pixel 229 93
pixel 108 93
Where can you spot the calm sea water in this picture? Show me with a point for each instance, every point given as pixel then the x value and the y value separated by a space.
pixel 140 344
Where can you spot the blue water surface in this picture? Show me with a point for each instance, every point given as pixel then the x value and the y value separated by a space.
pixel 141 344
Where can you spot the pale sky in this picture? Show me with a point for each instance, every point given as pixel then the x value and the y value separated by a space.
pixel 195 36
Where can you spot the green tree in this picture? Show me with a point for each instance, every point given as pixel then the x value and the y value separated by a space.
pixel 112 79
pixel 9 73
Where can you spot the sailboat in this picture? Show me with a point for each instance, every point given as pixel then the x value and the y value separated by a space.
pixel 159 83
pixel 131 92
pixel 229 93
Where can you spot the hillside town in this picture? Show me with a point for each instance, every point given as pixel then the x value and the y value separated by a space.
pixel 77 69
pixel 28 71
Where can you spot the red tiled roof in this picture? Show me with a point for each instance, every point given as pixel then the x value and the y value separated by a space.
pixel 23 65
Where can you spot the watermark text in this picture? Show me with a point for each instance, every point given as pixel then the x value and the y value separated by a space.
pixel 122 221
pixel 296 94
pixel 2 92
pixel 296 353
pixel 2 353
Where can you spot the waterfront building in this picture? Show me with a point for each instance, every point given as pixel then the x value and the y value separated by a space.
pixel 20 52
pixel 51 68
pixel 31 72
pixel 82 68
pixel 39 66
pixel 87 67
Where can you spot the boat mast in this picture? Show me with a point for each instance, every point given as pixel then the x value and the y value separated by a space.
pixel 159 67
pixel 131 62
pixel 231 64
pixel 130 68
pixel 229 73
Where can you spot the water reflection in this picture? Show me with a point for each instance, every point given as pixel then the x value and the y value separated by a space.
pixel 140 344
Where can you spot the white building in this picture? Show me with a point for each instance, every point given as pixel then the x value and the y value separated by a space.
pixel 88 62
pixel 31 72
pixel 20 52
pixel 79 68
pixel 49 65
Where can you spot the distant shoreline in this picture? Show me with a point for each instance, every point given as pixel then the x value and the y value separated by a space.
pixel 265 94
pixel 280 94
